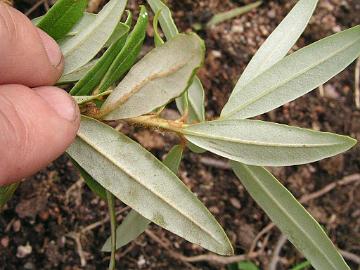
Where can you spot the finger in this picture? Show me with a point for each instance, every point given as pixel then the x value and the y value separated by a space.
pixel 28 55
pixel 37 125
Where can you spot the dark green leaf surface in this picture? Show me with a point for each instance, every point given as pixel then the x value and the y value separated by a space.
pixel 144 183
pixel 290 216
pixel 92 79
pixel 127 57
pixel 62 17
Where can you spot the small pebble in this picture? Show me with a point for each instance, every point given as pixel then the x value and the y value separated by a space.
pixel 23 251
pixel 5 241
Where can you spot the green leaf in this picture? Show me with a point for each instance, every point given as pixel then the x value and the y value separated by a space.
pixel 6 193
pixel 81 48
pixel 84 99
pixel 91 182
pixel 77 74
pixel 127 57
pixel 120 30
pixel 295 75
pixel 144 183
pixel 301 266
pixel 92 79
pixel 166 21
pixel 264 143
pixel 157 38
pixel 135 224
pixel 279 42
pixel 243 265
pixel 191 101
pixel 161 75
pixel 290 216
pixel 196 99
pixel 227 15
pixel 62 17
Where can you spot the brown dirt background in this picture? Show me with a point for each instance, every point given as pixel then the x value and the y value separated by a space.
pixel 48 208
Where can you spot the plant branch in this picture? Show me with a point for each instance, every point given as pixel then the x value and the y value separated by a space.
pixel 112 214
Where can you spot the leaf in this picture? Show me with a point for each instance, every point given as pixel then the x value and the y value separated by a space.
pixel 61 17
pixel 166 21
pixel 264 143
pixel 135 224
pixel 157 38
pixel 290 216
pixel 77 74
pixel 196 99
pixel 84 99
pixel 94 76
pixel 127 57
pixel 6 192
pixel 161 75
pixel 141 181
pixel 192 100
pixel 279 42
pixel 227 15
pixel 81 48
pixel 120 30
pixel 295 75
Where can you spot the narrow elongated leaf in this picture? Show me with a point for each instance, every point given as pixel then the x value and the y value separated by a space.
pixel 6 193
pixel 120 29
pixel 84 99
pixel 264 143
pixel 157 38
pixel 81 48
pixel 166 21
pixel 279 42
pixel 88 83
pixel 135 224
pixel 77 74
pixel 196 99
pixel 163 74
pixel 127 56
pixel 141 181
pixel 191 101
pixel 62 17
pixel 290 216
pixel 227 15
pixel 295 75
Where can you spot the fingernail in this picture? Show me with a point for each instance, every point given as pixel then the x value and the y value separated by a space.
pixel 61 102
pixel 51 47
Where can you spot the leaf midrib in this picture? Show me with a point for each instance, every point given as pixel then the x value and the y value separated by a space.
pixel 298 74
pixel 291 218
pixel 148 188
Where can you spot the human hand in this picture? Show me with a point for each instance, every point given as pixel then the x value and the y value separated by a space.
pixel 37 121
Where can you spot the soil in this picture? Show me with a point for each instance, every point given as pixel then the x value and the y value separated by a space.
pixel 37 225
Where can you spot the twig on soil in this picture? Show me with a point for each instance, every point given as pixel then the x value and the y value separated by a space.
pixel 76 237
pixel 350 256
pixel 321 90
pixel 34 7
pixel 212 258
pixel 216 163
pixel 276 254
pixel 357 83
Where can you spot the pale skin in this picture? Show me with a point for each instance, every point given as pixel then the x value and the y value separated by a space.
pixel 37 121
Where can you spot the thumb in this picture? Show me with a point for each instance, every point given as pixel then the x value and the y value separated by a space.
pixel 37 125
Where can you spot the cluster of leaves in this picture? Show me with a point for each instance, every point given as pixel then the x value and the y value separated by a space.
pixel 115 86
